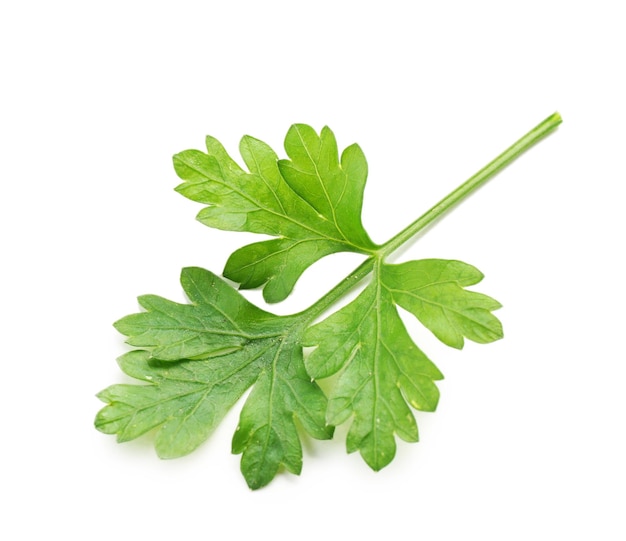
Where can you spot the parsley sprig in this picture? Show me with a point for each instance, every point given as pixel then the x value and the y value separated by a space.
pixel 196 360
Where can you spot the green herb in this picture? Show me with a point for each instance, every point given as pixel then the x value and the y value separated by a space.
pixel 312 203
pixel 197 359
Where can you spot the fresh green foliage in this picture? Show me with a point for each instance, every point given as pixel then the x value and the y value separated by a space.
pixel 380 366
pixel 311 203
pixel 199 359
pixel 196 360
pixel 432 290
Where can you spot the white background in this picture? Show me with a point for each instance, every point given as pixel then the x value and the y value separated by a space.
pixel 528 441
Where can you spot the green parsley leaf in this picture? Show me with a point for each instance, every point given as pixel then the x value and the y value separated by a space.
pixel 311 203
pixel 199 360
pixel 432 290
pixel 380 368
pixel 196 360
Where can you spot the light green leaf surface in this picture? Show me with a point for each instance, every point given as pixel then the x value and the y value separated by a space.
pixel 313 208
pixel 184 401
pixel 332 187
pixel 432 290
pixel 380 367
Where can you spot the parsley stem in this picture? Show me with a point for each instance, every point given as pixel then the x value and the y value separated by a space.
pixel 452 199
pixel 339 290
pixel 473 183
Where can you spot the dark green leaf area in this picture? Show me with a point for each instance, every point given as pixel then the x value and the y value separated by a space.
pixel 267 435
pixel 380 370
pixel 316 211
pixel 433 290
pixel 199 360
pixel 218 321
